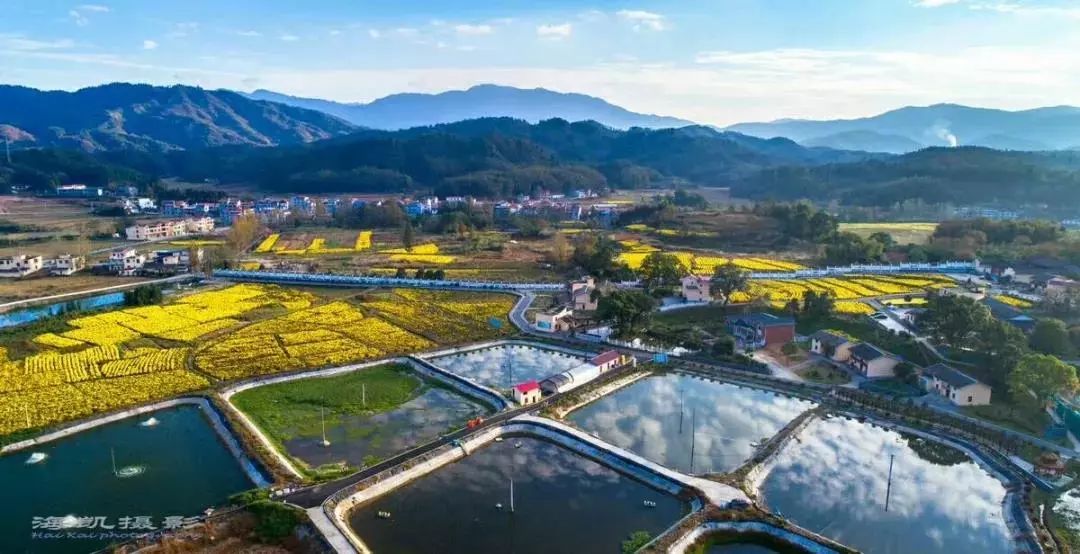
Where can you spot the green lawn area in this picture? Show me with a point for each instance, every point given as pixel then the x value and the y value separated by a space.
pixel 1026 417
pixel 824 374
pixel 295 407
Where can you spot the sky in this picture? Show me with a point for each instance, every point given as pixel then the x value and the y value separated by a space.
pixel 711 61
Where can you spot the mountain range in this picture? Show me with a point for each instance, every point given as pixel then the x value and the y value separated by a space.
pixel 912 128
pixel 402 111
pixel 148 118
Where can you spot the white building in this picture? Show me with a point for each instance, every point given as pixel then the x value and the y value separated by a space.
pixel 527 393
pixel 958 387
pixel 169 228
pixel 554 320
pixel 126 262
pixel 696 289
pixel 20 265
pixel 65 264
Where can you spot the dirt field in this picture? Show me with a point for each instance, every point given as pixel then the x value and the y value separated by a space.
pixel 19 289
pixel 51 214
pixel 902 232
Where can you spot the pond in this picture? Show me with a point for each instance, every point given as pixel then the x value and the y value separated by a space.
pixel 563 502
pixel 667 417
pixel 356 437
pixel 501 367
pixel 833 478
pixel 28 315
pixel 178 467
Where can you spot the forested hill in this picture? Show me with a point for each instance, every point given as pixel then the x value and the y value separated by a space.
pixel 124 116
pixel 492 157
pixel 964 176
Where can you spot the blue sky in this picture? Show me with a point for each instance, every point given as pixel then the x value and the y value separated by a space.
pixel 712 61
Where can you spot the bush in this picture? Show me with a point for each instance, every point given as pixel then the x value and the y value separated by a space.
pixel 274 521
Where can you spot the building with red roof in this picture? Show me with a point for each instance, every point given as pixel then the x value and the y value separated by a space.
pixel 527 393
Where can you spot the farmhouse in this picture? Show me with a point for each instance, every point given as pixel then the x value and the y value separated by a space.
pixel 554 320
pixel 608 360
pixel 832 345
pixel 65 264
pixel 527 393
pixel 761 329
pixel 958 387
pixel 871 361
pixel 126 262
pixel 581 292
pixel 696 289
pixel 19 265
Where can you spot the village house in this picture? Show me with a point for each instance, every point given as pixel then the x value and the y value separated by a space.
pixel 527 393
pixel 760 330
pixel 168 228
pixel 19 265
pixel 581 293
pixel 1050 466
pixel 127 261
pixel 832 345
pixel 871 361
pixel 65 264
pixel 609 360
pixel 958 387
pixel 554 320
pixel 696 289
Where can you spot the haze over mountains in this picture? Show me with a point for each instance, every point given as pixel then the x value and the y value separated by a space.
pixel 911 128
pixel 402 111
pixel 142 117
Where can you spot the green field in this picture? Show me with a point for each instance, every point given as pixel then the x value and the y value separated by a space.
pixel 902 232
pixel 294 407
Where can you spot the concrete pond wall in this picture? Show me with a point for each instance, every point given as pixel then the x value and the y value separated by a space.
pixel 749 527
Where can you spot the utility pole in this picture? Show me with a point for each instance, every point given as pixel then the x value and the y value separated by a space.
pixel 363 394
pixel 511 496
pixel 7 149
pixel 680 409
pixel 888 486
pixel 693 438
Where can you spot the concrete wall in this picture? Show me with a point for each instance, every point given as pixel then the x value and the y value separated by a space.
pixel 688 540
pixel 212 416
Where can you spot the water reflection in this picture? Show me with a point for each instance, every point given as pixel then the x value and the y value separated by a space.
pixel 489 367
pixel 657 417
pixel 563 503
pixel 832 480
pixel 415 422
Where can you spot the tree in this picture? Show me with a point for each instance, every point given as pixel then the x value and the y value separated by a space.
pixel 560 250
pixel 1050 336
pixel 1002 345
pixel 848 248
pixel 628 310
pixel 954 320
pixel 408 235
pixel 905 371
pixel 728 279
pixel 242 232
pixel 724 346
pixel 635 541
pixel 661 270
pixel 596 255
pixel 818 305
pixel 1042 377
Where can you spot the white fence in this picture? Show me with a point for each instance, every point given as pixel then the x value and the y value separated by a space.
pixel 945 267
pixel 332 279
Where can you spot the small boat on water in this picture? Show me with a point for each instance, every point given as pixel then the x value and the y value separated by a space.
pixel 498 505
pixel 36 458
pixel 384 515
pixel 152 422
pixel 649 503
pixel 498 439
pixel 517 444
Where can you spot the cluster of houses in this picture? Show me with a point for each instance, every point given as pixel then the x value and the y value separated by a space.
pixel 21 265
pixel 872 362
pixel 530 392
pixel 169 228
pixel 129 261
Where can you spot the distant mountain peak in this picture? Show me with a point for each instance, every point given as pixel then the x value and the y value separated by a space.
pixel 416 109
pixel 913 127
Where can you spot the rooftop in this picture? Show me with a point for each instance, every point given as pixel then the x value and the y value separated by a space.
pixel 605 357
pixel 868 352
pixel 527 386
pixel 764 319
pixel 830 337
pixel 954 377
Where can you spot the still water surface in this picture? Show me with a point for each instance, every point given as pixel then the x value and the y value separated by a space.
pixel 502 367
pixel 832 480
pixel 563 503
pixel 665 417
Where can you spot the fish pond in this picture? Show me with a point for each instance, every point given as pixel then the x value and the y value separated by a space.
pixel 833 479
pixel 365 415
pixel 501 367
pixel 672 417
pixel 562 502
pixel 176 468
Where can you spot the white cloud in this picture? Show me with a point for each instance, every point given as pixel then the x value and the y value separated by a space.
pixel 78 18
pixel 289 38
pixel 406 31
pixel 149 45
pixel 473 30
pixel 643 20
pixel 93 8
pixel 374 33
pixel 1029 10
pixel 19 43
pixel 334 32
pixel 934 3
pixel 554 32
pixel 183 29
pixel 249 33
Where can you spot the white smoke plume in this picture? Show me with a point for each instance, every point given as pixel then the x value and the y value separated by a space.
pixel 941 131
